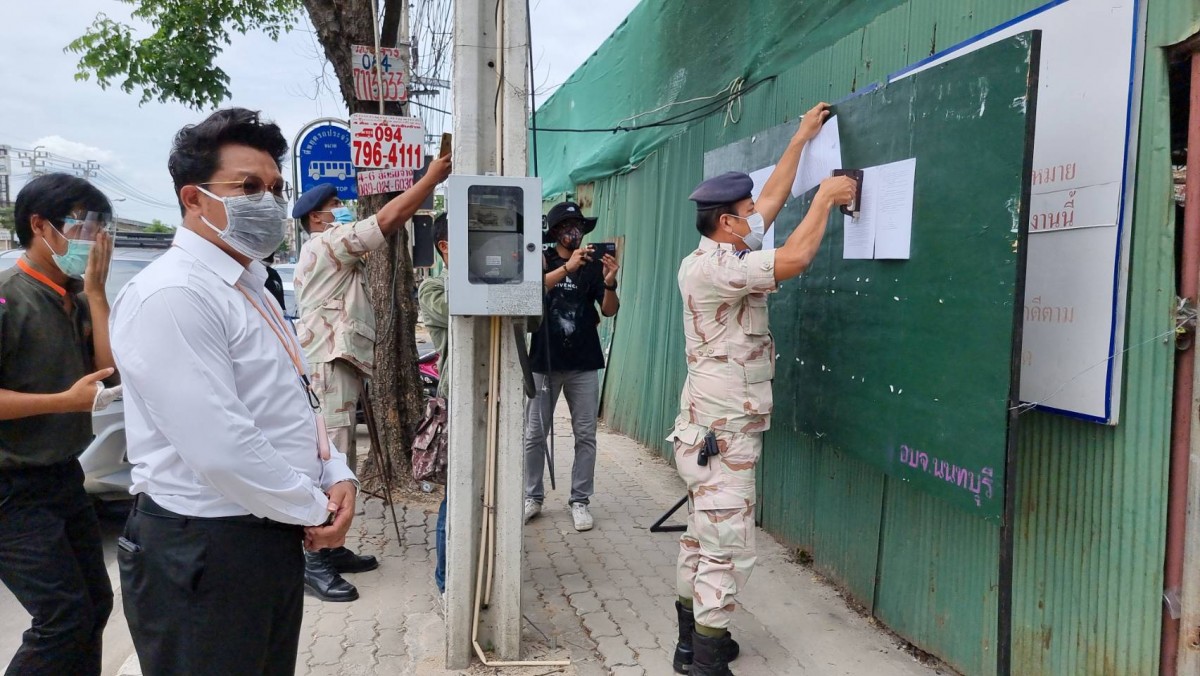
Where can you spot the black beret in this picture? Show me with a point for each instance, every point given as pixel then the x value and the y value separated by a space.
pixel 730 187
pixel 313 199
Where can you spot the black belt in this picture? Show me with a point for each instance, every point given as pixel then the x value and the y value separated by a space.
pixel 144 504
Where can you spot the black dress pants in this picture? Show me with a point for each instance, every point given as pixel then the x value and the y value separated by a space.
pixel 51 559
pixel 211 596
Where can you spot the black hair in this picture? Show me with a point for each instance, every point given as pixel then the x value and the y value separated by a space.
pixel 196 151
pixel 441 229
pixel 304 222
pixel 707 219
pixel 53 197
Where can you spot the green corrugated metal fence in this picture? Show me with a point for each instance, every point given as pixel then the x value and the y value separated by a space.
pixel 1091 499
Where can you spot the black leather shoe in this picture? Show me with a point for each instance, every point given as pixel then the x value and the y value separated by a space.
pixel 345 561
pixel 324 582
pixel 683 649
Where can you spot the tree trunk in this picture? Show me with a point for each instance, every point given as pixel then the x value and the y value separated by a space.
pixel 396 386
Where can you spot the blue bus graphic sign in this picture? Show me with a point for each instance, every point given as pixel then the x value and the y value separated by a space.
pixel 323 156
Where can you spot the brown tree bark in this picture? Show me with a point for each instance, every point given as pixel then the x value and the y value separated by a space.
pixel 396 387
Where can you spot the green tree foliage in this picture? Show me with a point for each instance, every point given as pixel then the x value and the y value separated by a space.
pixel 158 226
pixel 176 62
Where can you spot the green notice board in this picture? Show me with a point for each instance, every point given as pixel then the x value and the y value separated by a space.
pixel 912 364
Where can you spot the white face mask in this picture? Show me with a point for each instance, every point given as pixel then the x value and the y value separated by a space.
pixel 754 239
pixel 255 226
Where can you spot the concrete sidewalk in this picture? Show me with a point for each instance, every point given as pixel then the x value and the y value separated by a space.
pixel 603 598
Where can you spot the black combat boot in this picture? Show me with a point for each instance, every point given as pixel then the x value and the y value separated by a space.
pixel 683 649
pixel 323 580
pixel 711 655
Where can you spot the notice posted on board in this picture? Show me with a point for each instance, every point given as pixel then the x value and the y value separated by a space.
pixel 883 229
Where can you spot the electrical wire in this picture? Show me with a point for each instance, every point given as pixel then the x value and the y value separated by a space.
pixel 686 117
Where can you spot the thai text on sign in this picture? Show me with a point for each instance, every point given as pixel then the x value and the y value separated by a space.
pixel 387 141
pixel 384 181
pixel 366 75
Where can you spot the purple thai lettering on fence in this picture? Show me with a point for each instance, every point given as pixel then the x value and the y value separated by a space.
pixel 976 483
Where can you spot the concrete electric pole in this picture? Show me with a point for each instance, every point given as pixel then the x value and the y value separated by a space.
pixel 491 95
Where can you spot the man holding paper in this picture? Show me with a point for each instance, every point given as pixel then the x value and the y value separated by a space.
pixel 726 400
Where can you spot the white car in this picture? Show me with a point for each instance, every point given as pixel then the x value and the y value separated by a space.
pixel 106 468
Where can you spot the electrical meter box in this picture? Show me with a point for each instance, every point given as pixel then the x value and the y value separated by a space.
pixel 495 235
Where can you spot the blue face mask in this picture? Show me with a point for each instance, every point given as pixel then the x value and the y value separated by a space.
pixel 73 263
pixel 342 215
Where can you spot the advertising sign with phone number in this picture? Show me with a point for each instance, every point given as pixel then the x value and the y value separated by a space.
pixel 387 141
pixel 366 74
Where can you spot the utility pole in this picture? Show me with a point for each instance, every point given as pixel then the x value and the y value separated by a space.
pixel 35 160
pixel 5 175
pixel 490 55
pixel 87 169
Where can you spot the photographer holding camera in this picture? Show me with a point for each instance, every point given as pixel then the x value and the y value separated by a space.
pixel 566 355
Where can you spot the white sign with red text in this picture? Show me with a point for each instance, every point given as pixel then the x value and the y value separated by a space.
pixel 387 141
pixel 384 181
pixel 366 75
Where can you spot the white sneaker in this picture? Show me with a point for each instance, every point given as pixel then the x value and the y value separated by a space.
pixel 532 508
pixel 582 517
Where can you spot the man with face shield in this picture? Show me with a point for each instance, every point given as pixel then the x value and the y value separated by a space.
pixel 233 468
pixel 566 356
pixel 726 401
pixel 54 353
pixel 336 326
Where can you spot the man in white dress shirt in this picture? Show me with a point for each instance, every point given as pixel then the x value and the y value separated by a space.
pixel 232 466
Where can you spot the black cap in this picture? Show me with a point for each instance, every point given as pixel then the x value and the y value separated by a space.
pixel 567 211
pixel 730 187
pixel 313 199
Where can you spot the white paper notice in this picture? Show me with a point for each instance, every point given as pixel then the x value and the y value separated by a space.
pixel 883 228
pixel 859 238
pixel 760 181
pixel 820 157
pixel 889 188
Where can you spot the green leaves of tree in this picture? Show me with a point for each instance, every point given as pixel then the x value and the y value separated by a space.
pixel 176 61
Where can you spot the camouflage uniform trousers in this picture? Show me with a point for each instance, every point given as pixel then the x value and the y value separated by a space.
pixel 337 385
pixel 717 554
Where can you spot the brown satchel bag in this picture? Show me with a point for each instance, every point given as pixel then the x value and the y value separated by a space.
pixel 431 443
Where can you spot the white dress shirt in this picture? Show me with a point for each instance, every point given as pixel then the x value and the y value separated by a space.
pixel 216 419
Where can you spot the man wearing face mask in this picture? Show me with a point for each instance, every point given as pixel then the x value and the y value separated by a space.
pixel 233 469
pixel 566 356
pixel 54 353
pixel 336 326
pixel 726 401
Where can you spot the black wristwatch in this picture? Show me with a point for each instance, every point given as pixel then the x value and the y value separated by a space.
pixel 611 288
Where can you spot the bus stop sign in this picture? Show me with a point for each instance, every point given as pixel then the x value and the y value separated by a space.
pixel 323 156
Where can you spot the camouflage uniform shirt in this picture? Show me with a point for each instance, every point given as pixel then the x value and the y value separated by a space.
pixel 337 320
pixel 730 353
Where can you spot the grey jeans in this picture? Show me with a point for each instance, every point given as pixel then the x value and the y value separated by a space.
pixel 582 389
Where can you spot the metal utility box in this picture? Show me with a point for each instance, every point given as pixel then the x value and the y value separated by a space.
pixel 495 245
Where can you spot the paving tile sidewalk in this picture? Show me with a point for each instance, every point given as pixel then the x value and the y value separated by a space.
pixel 602 598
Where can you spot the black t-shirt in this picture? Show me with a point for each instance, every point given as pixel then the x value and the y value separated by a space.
pixel 569 327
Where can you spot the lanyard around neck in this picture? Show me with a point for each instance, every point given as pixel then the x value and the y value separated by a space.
pixel 288 346
pixel 37 274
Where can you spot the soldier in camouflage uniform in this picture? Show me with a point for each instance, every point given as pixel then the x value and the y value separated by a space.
pixel 726 401
pixel 336 327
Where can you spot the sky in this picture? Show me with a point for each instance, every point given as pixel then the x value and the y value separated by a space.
pixel 43 105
